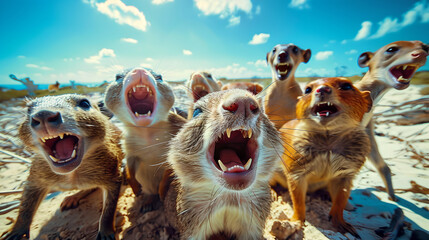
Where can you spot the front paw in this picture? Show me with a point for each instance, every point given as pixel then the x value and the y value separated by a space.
pixel 69 202
pixel 344 227
pixel 13 235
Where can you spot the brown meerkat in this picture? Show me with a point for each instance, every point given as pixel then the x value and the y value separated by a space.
pixel 282 94
pixel 142 101
pixel 199 85
pixel 254 88
pixel 223 159
pixel 326 145
pixel 76 147
pixel 391 66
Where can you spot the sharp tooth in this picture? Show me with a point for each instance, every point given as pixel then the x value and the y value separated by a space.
pixel 228 132
pixel 73 154
pixel 147 89
pixel 327 114
pixel 404 67
pixel 43 140
pixel 53 158
pixel 223 167
pixel 244 133
pixel 329 104
pixel 136 113
pixel 318 114
pixel 134 89
pixel 149 113
pixel 249 133
pixel 400 78
pixel 247 165
pixel 61 135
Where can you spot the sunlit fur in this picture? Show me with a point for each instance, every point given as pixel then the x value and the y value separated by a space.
pixel 205 206
pixel 326 151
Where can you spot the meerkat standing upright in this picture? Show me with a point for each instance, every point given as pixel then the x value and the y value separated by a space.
pixel 223 159
pixel 76 147
pixel 282 95
pixel 142 101
pixel 392 66
pixel 199 85
pixel 326 145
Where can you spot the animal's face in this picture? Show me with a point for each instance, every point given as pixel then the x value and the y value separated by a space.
pixel 228 142
pixel 63 128
pixel 201 84
pixel 139 98
pixel 254 88
pixel 333 102
pixel 396 62
pixel 285 58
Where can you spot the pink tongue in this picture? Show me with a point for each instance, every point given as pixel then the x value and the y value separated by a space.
pixel 64 148
pixel 229 158
pixel 323 113
pixel 140 93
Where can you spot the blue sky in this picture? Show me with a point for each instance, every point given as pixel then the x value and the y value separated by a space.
pixel 89 41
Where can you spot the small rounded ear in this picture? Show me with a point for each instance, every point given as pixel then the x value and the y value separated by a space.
pixel 268 53
pixel 364 59
pixel 307 55
pixel 219 83
pixel 367 96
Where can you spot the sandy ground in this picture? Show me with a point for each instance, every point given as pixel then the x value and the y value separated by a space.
pixel 404 147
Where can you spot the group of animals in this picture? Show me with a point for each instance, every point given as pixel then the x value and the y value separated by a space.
pixel 217 162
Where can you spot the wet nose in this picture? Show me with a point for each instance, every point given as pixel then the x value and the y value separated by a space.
pixel 46 117
pixel 283 56
pixel 323 90
pixel 245 106
pixel 417 54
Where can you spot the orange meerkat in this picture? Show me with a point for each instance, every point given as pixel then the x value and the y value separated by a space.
pixel 76 147
pixel 392 66
pixel 54 87
pixel 199 85
pixel 142 101
pixel 326 145
pixel 281 96
pixel 254 88
pixel 223 159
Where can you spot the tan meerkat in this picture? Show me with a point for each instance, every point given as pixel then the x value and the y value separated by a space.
pixel 326 145
pixel 281 96
pixel 254 88
pixel 142 101
pixel 391 66
pixel 199 85
pixel 223 159
pixel 76 147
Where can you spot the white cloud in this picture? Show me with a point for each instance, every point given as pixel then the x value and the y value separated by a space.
pixel 258 63
pixel 187 52
pixel 105 52
pixel 29 65
pixel 158 2
pixel 223 8
pixel 259 38
pixel 389 24
pixel 344 41
pixel 353 51
pixel 123 14
pixel 323 55
pixel 364 31
pixel 129 40
pixel 149 59
pixel 300 4
pixel 234 20
pixel 22 57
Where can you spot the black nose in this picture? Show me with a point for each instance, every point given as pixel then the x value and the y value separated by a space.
pixel 324 89
pixel 283 56
pixel 425 47
pixel 46 117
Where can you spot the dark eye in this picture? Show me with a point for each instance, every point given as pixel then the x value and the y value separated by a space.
pixel 274 50
pixel 209 76
pixel 345 86
pixel 84 104
pixel 308 90
pixel 392 49
pixel 295 49
pixel 197 112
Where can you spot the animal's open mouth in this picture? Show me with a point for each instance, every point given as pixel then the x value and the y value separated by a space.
pixel 283 70
pixel 141 100
pixel 64 151
pixel 199 91
pixel 325 109
pixel 403 73
pixel 234 154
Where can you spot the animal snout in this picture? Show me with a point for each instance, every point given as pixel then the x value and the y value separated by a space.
pixel 425 48
pixel 283 56
pixel 46 117
pixel 323 90
pixel 419 53
pixel 242 106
